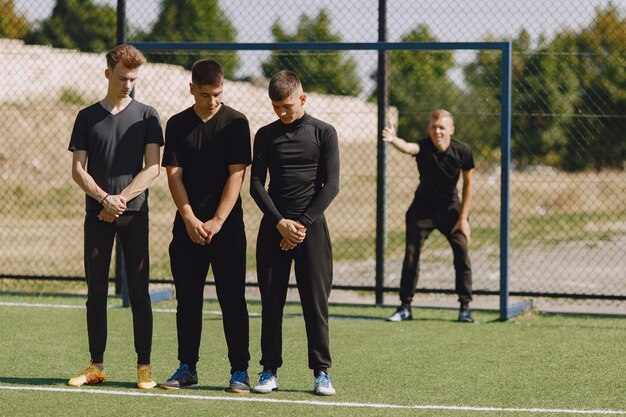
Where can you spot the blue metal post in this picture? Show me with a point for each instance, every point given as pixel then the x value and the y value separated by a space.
pixel 504 185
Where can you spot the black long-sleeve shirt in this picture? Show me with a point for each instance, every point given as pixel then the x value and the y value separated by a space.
pixel 303 163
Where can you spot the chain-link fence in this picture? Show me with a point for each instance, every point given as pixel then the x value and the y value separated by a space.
pixel 568 200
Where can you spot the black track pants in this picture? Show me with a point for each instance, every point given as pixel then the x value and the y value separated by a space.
pixel 313 270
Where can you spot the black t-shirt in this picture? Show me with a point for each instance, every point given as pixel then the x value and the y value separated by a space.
pixel 303 163
pixel 204 151
pixel 439 174
pixel 115 145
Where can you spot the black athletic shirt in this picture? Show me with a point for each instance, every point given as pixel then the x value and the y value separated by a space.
pixel 204 151
pixel 303 163
pixel 439 174
pixel 115 145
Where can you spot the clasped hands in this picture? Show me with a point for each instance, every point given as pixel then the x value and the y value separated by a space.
pixel 200 232
pixel 113 207
pixel 293 233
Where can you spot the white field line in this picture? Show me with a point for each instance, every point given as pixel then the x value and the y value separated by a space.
pixel 315 403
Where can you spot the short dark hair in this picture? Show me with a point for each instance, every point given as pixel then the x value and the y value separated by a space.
pixel 128 55
pixel 283 84
pixel 207 72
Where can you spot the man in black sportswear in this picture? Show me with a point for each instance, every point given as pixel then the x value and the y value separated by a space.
pixel 301 155
pixel 440 162
pixel 207 150
pixel 116 147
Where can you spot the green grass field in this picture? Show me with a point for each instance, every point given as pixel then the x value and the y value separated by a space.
pixel 539 365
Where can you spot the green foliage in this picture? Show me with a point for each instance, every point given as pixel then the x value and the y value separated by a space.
pixel 189 21
pixel 77 24
pixel 419 83
pixel 569 96
pixel 545 85
pixel 599 142
pixel 325 72
pixel 482 102
pixel 12 24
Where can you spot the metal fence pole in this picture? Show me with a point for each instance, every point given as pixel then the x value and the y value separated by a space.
pixel 121 21
pixel 381 177
pixel 121 283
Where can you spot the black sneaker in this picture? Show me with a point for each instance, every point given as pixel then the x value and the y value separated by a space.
pixel 401 314
pixel 183 377
pixel 465 315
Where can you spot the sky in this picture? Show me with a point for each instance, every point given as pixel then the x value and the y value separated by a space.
pixel 470 18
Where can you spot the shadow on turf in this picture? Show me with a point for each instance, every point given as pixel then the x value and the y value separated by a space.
pixel 35 381
pixel 129 385
pixel 132 385
pixel 61 381
pixel 202 388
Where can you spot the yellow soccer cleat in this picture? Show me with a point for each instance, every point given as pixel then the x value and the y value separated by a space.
pixel 91 375
pixel 144 377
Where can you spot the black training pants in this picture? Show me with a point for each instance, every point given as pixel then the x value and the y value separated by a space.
pixel 419 225
pixel 190 262
pixel 314 275
pixel 132 229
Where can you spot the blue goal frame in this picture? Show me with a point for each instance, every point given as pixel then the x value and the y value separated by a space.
pixel 507 310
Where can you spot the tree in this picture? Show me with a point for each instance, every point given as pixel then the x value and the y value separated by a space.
pixel 189 21
pixel 323 72
pixel 546 90
pixel 569 96
pixel 544 87
pixel 483 101
pixel 596 137
pixel 12 24
pixel 420 83
pixel 77 24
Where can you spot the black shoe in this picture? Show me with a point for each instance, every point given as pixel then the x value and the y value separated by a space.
pixel 183 377
pixel 401 314
pixel 465 315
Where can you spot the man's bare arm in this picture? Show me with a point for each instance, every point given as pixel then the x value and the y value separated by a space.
pixel 389 135
pixel 115 205
pixel 147 175
pixel 232 188
pixel 196 232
